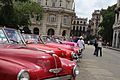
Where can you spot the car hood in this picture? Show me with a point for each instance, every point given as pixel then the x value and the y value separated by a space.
pixel 45 61
pixel 45 47
pixel 59 45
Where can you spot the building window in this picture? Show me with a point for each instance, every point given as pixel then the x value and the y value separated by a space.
pixel 52 18
pixel 80 21
pixel 74 22
pixel 84 29
pixel 60 2
pixel 80 28
pixel 46 2
pixel 66 20
pixel 77 22
pixel 73 27
pixel 53 4
pixel 84 22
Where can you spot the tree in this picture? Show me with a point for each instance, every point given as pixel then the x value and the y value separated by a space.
pixel 106 25
pixel 18 12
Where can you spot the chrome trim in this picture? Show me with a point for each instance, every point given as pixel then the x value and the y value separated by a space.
pixel 74 69
pixel 74 55
pixel 47 51
pixel 67 77
pixel 54 56
pixel 19 74
pixel 57 70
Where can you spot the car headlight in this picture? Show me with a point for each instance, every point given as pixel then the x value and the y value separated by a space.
pixel 23 75
pixel 75 70
pixel 74 55
pixel 79 51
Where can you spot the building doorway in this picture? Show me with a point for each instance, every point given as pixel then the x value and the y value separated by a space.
pixel 27 30
pixel 50 32
pixel 115 40
pixel 64 33
pixel 118 40
pixel 36 31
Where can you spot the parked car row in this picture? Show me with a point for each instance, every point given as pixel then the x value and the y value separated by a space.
pixel 28 57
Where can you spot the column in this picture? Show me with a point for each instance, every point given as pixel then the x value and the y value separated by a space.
pixel 115 18
pixel 117 39
pixel 118 2
pixel 113 41
pixel 119 17
pixel 44 21
pixel 59 21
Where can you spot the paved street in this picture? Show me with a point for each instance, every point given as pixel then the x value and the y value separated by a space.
pixel 99 68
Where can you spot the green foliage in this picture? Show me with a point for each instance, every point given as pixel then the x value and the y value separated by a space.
pixel 18 12
pixel 106 25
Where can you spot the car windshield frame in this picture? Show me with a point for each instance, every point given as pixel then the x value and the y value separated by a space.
pixel 16 35
pixel 35 39
pixel 3 37
pixel 49 39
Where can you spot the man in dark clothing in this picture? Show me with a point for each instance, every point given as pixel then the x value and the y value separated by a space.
pixel 96 47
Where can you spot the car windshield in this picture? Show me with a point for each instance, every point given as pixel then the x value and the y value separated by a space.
pixel 49 39
pixel 3 39
pixel 31 38
pixel 13 36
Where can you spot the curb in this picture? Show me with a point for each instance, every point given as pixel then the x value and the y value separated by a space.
pixel 112 48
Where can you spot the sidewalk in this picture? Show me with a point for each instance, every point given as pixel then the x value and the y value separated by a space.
pixel 117 49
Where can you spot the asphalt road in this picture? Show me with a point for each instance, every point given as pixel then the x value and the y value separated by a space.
pixel 106 67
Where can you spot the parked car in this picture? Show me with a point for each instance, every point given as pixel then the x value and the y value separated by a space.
pixel 34 41
pixel 19 62
pixel 54 43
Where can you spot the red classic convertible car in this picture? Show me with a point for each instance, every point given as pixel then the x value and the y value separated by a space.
pixel 18 62
pixel 34 41
pixel 55 42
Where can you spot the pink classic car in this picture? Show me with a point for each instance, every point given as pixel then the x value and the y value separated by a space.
pixel 18 62
pixel 34 41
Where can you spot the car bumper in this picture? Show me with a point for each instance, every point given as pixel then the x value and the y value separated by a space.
pixel 62 78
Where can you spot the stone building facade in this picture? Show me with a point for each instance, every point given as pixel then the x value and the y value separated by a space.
pixel 79 27
pixel 116 27
pixel 56 19
pixel 95 21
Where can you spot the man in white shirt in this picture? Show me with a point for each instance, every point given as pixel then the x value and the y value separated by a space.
pixel 81 44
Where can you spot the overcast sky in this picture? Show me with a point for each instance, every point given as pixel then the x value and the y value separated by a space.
pixel 84 8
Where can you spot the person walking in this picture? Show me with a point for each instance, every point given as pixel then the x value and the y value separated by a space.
pixel 99 47
pixel 96 46
pixel 81 44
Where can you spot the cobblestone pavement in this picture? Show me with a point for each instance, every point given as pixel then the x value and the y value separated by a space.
pixel 99 68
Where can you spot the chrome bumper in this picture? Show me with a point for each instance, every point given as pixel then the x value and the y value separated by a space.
pixel 61 78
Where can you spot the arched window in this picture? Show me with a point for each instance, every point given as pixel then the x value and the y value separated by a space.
pixel 36 31
pixel 27 30
pixel 64 33
pixel 73 27
pixel 80 28
pixel 83 29
pixel 60 3
pixel 50 31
